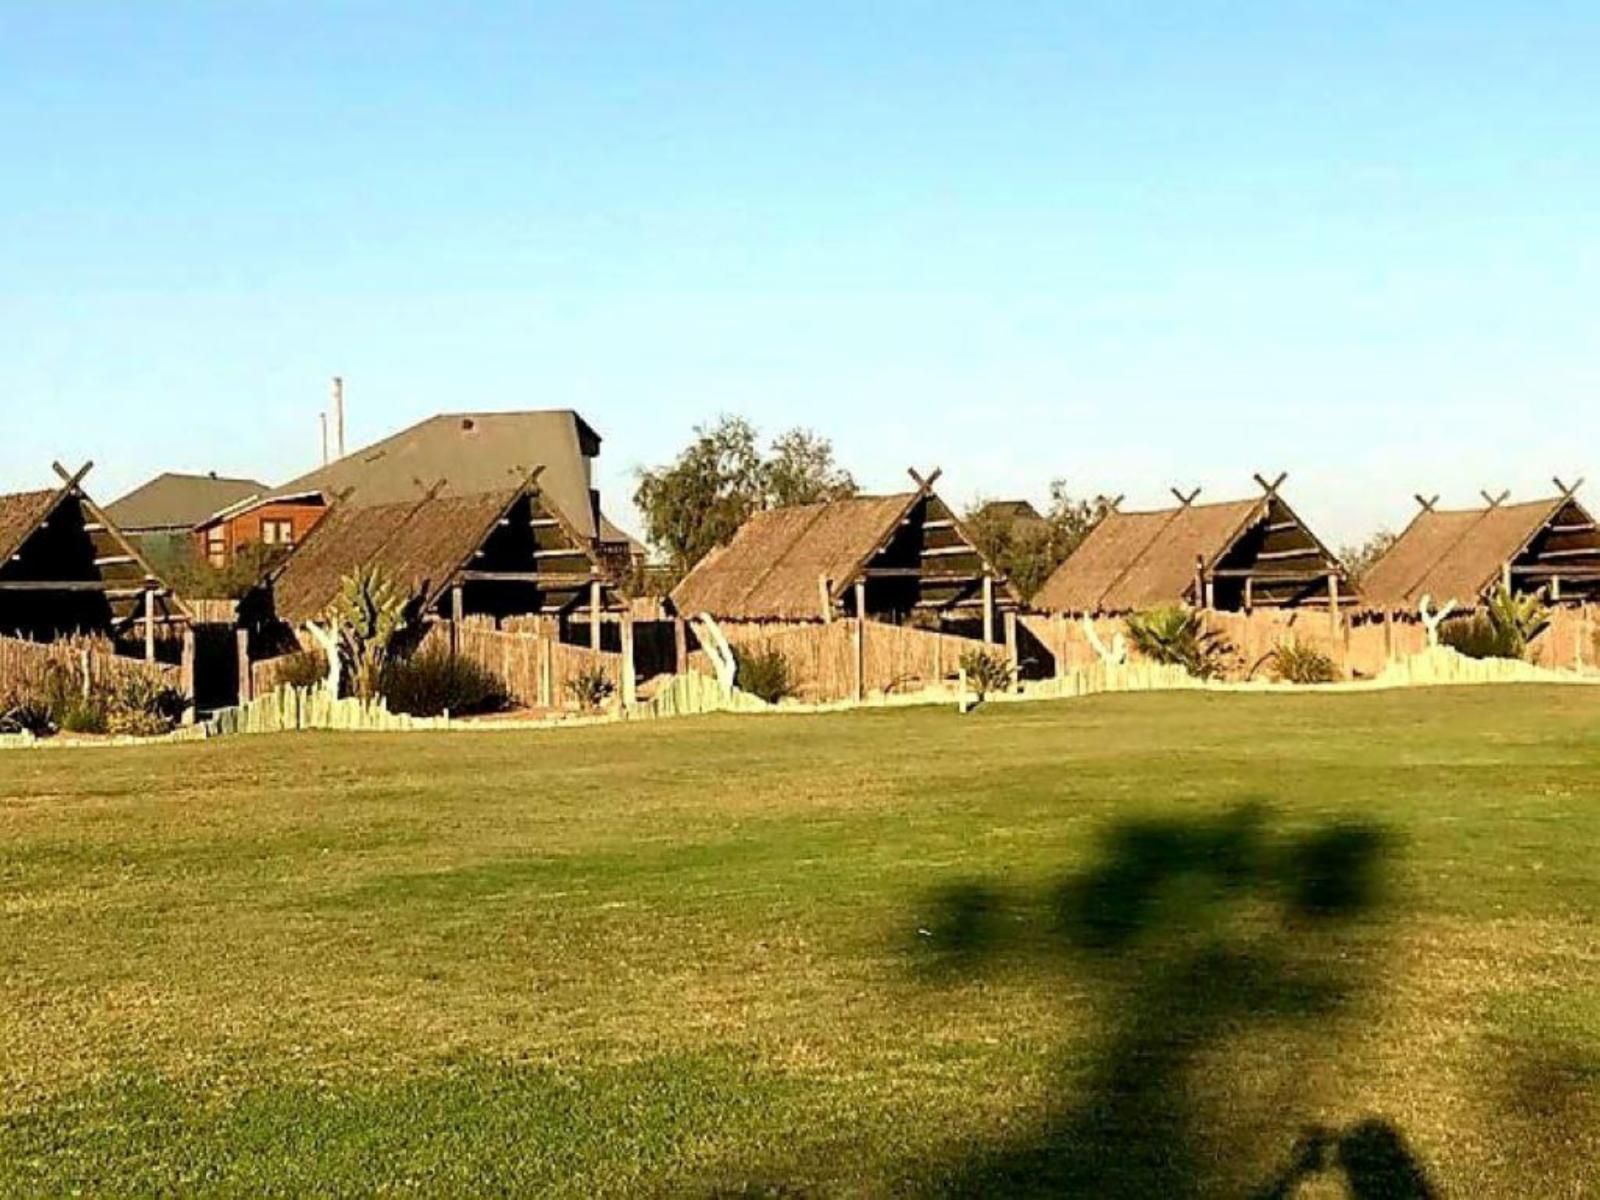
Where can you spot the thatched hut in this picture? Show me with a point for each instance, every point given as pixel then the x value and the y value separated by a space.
pixel 1232 556
pixel 1463 554
pixel 65 568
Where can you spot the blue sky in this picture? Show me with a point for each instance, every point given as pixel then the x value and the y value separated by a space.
pixel 1128 244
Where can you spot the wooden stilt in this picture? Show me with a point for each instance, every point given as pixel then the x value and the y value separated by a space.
pixel 988 608
pixel 458 609
pixel 680 646
pixel 149 623
pixel 594 614
pixel 186 664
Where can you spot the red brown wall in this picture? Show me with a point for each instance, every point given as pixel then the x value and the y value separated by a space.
pixel 246 527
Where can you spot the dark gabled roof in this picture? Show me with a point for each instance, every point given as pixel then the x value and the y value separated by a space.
pixel 471 453
pixel 1010 510
pixel 176 501
pixel 1456 554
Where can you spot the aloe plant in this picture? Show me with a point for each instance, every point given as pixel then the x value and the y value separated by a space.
pixel 1179 637
pixel 369 613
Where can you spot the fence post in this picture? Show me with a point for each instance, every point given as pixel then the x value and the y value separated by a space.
pixel 861 640
pixel 594 615
pixel 1013 655
pixel 988 608
pixel 680 646
pixel 458 608
pixel 149 622
pixel 546 683
pixel 186 665
pixel 629 679
pixel 241 641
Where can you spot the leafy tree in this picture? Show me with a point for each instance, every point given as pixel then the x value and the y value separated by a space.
pixel 1360 557
pixel 181 567
pixel 1029 551
pixel 699 500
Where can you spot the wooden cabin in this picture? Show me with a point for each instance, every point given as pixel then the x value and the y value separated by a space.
pixel 1464 554
pixel 66 568
pixel 1232 556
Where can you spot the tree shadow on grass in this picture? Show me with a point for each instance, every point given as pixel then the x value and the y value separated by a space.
pixel 1190 935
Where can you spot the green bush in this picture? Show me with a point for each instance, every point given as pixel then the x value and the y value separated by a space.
pixel 303 669
pixel 986 672
pixel 141 707
pixel 1293 662
pixel 83 716
pixel 1179 637
pixel 1505 628
pixel 590 688
pixel 763 672
pixel 434 681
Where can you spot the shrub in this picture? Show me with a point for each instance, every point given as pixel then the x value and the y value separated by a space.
pixel 83 716
pixel 434 681
pixel 140 706
pixel 304 668
pixel 986 672
pixel 370 612
pixel 1505 628
pixel 590 688
pixel 1179 637
pixel 763 672
pixel 1293 662
pixel 24 713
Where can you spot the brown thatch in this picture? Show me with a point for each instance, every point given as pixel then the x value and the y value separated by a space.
pixel 1460 554
pixel 20 514
pixel 1138 560
pixel 781 562
pixel 419 545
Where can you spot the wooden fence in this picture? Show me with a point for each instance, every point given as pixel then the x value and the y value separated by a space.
pixel 822 657
pixel 536 667
pixel 1361 644
pixel 89 660
pixel 291 708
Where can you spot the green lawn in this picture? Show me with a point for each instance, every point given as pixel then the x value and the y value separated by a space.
pixel 1129 946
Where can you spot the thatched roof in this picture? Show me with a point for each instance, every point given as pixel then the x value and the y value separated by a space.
pixel 1138 560
pixel 20 514
pixel 468 454
pixel 420 545
pixel 1456 554
pixel 1247 552
pixel 772 568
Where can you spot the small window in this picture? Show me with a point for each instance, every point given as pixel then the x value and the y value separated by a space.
pixel 277 533
pixel 216 546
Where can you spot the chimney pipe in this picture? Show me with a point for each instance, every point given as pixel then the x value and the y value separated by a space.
pixel 338 416
pixel 323 418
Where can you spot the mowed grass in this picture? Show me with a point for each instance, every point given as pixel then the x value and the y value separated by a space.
pixel 807 955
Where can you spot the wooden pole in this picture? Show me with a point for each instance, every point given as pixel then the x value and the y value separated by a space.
pixel 241 642
pixel 861 641
pixel 825 599
pixel 680 646
pixel 1061 645
pixel 1333 604
pixel 458 609
pixel 149 623
pixel 546 670
pixel 988 608
pixel 186 664
pixel 594 614
pixel 1013 655
pixel 630 682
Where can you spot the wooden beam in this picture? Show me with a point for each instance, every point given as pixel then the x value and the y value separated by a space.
pixel 988 608
pixel 1427 504
pixel 1271 489
pixel 825 598
pixel 1184 501
pixel 630 680
pixel 595 601
pixel 149 626
pixel 1013 653
pixel 925 485
pixel 680 646
pixel 545 579
pixel 1495 501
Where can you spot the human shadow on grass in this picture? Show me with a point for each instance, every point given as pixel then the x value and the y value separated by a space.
pixel 1188 934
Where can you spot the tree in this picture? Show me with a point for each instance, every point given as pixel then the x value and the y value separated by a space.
pixel 699 500
pixel 1028 550
pixel 1359 558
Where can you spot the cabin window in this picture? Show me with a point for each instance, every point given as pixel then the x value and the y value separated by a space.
pixel 216 546
pixel 277 533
